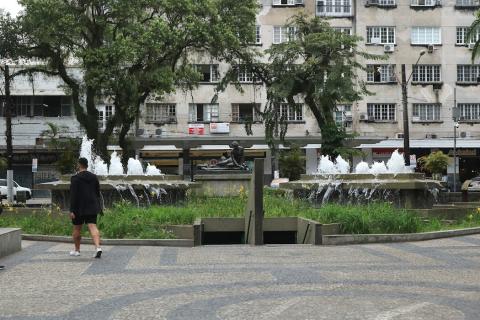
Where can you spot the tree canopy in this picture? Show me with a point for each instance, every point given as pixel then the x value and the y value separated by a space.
pixel 317 66
pixel 127 51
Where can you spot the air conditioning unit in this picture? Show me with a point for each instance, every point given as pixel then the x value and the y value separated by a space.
pixel 348 119
pixel 140 132
pixel 371 119
pixel 389 48
pixel 363 117
pixel 430 48
pixel 471 46
pixel 158 132
pixel 463 134
pixel 431 136
pixel 415 119
pixel 375 40
pixel 399 135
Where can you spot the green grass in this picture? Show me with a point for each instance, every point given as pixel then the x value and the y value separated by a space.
pixel 125 220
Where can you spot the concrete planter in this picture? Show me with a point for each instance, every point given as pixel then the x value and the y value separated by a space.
pixel 10 241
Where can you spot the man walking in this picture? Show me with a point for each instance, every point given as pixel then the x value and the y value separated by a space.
pixel 85 206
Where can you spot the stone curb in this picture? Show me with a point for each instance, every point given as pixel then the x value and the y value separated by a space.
pixel 342 239
pixel 115 242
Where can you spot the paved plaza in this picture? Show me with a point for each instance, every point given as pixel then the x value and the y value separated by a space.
pixel 423 280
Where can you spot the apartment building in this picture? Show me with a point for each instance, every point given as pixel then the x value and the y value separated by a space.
pixel 187 126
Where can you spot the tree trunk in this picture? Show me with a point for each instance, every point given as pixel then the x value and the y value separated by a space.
pixel 8 118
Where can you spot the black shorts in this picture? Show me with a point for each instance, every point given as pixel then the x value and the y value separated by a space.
pixel 80 220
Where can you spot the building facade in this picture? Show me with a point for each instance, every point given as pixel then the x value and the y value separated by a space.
pixel 440 78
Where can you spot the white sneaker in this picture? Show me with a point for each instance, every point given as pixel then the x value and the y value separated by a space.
pixel 98 254
pixel 74 253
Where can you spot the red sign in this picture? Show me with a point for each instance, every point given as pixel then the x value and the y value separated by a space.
pixel 196 129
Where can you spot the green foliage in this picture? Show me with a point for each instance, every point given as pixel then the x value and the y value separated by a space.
pixel 66 147
pixel 130 50
pixel 125 220
pixel 435 162
pixel 319 66
pixel 292 163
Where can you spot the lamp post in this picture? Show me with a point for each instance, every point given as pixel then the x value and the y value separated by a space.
pixel 406 131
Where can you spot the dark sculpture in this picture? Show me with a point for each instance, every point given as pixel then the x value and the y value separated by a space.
pixel 234 161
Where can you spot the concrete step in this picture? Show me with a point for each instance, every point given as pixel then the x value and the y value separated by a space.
pixel 10 241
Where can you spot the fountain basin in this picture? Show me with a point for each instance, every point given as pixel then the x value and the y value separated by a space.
pixel 404 190
pixel 141 190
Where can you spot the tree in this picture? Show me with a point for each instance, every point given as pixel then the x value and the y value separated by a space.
pixel 130 50
pixel 473 34
pixel 435 162
pixel 292 163
pixel 12 50
pixel 318 65
pixel 66 148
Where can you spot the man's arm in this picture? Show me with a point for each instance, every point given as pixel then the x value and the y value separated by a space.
pixel 73 197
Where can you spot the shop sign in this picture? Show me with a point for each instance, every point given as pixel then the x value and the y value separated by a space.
pixel 219 127
pixel 196 129
pixel 463 152
pixel 383 152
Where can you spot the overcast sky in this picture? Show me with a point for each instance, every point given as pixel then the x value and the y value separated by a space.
pixel 11 6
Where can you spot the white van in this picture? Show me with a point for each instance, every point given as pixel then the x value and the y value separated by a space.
pixel 16 188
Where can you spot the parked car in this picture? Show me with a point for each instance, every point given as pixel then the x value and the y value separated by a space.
pixel 474 184
pixel 16 188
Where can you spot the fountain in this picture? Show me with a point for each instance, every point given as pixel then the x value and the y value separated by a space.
pixel 393 182
pixel 139 186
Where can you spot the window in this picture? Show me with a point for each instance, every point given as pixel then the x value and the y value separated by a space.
pixel 283 34
pixel 469 111
pixel 467 3
pixel 381 111
pixel 245 112
pixel 343 115
pixel 245 75
pixel 40 106
pixel 344 30
pixel 381 73
pixel 334 8
pixel 424 3
pixel 426 112
pixel 381 35
pixel 291 113
pixel 258 34
pixel 462 36
pixel 66 106
pixel 426 35
pixel 381 3
pixel 161 113
pixel 105 113
pixel 426 73
pixel 208 72
pixel 287 2
pixel 468 73
pixel 199 112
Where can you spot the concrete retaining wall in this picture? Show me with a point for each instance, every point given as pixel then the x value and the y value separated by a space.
pixel 116 242
pixel 384 238
pixel 10 241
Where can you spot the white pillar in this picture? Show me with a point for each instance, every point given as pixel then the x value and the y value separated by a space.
pixel 10 186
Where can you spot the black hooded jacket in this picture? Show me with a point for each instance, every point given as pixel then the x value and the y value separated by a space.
pixel 85 194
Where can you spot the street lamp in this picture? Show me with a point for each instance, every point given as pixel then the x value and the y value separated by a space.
pixel 406 133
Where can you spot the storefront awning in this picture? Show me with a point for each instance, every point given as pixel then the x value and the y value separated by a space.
pixel 423 144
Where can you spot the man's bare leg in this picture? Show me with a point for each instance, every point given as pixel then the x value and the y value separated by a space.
pixel 95 234
pixel 77 236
